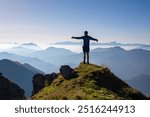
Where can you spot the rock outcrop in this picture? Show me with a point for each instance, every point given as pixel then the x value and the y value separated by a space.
pixel 10 90
pixel 40 81
pixel 67 72
pixel 49 78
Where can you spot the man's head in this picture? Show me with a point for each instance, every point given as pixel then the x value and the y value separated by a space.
pixel 85 33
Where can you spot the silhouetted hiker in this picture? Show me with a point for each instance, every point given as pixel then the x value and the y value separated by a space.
pixel 86 45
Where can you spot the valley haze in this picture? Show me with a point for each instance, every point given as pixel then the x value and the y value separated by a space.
pixel 123 63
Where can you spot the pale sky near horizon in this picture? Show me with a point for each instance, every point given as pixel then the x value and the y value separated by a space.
pixel 49 21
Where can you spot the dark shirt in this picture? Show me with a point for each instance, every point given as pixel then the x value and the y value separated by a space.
pixel 86 40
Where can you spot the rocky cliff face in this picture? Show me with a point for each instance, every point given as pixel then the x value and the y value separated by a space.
pixel 40 81
pixel 85 82
pixel 10 90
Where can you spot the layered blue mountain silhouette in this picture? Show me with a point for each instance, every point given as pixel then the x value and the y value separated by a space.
pixel 35 62
pixel 122 62
pixel 52 52
pixel 18 73
pixel 125 64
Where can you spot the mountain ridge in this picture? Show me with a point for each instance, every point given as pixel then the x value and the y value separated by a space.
pixel 18 73
pixel 33 61
pixel 88 81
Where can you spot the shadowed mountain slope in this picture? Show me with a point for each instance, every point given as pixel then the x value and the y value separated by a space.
pixel 142 83
pixel 10 90
pixel 19 74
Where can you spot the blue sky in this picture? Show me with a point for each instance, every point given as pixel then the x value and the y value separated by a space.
pixel 48 21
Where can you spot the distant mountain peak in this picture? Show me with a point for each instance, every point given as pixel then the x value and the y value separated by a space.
pixel 29 44
pixel 54 48
pixel 6 60
pixel 5 53
pixel 111 49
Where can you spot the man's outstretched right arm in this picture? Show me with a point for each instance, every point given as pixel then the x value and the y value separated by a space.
pixel 76 37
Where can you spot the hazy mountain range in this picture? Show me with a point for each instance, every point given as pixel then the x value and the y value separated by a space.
pixel 52 53
pixel 35 62
pixel 113 43
pixel 126 64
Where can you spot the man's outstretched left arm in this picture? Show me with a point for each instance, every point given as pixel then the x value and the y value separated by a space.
pixel 91 38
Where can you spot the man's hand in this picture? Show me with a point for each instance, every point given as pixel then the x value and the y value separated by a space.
pixel 72 37
pixel 97 40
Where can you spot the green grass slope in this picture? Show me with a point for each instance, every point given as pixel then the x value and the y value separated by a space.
pixel 91 83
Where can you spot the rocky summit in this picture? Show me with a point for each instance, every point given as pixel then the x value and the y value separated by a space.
pixel 10 90
pixel 86 82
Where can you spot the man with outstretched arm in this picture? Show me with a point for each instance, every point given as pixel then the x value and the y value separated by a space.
pixel 86 45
